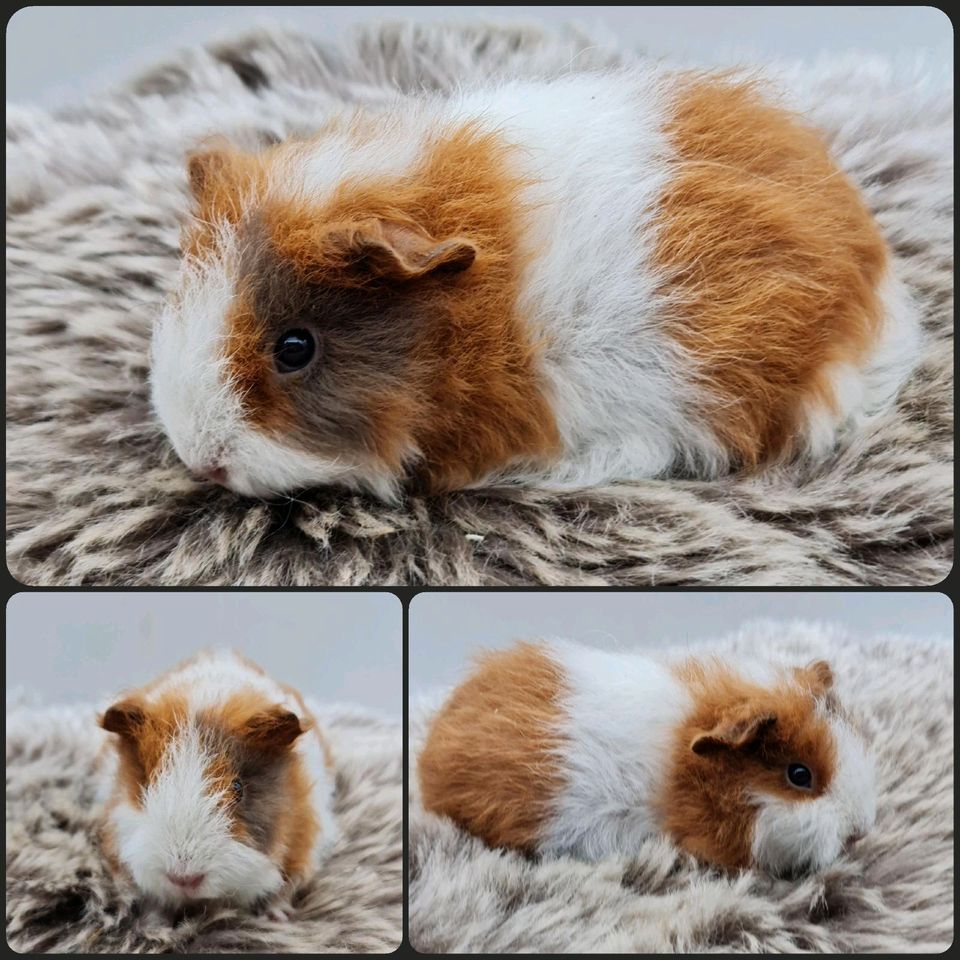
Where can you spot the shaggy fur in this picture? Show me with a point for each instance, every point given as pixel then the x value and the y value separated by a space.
pixel 95 494
pixel 61 898
pixel 893 893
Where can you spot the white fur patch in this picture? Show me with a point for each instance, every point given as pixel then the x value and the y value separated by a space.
pixel 896 350
pixel 618 384
pixel 214 675
pixel 190 388
pixel 314 169
pixel 621 712
pixel 309 748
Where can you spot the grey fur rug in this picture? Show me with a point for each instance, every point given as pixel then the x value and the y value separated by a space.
pixel 61 899
pixel 95 494
pixel 893 894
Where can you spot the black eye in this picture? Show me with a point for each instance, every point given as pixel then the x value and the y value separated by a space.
pixel 800 776
pixel 237 788
pixel 294 350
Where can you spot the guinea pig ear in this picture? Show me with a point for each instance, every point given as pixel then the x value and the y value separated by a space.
pixel 399 251
pixel 272 729
pixel 733 732
pixel 125 717
pixel 817 675
pixel 204 169
pixel 220 179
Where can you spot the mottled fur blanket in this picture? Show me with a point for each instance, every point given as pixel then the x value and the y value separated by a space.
pixel 95 494
pixel 62 899
pixel 892 894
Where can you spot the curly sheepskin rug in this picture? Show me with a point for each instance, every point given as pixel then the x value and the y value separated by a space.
pixel 892 894
pixel 95 494
pixel 62 899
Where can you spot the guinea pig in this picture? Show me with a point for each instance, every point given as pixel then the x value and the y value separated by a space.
pixel 555 748
pixel 220 787
pixel 567 282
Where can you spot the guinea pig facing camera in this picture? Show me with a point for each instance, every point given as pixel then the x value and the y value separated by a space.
pixel 220 786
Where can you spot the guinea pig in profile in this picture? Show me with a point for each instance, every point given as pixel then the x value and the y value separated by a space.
pixel 222 787
pixel 563 282
pixel 562 749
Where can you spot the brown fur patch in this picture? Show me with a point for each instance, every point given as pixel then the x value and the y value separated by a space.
pixel 773 258
pixel 259 723
pixel 410 287
pixel 487 761
pixel 143 735
pixel 250 367
pixel 738 738
pixel 816 676
pixel 303 829
pixel 224 182
pixel 279 816
pixel 297 828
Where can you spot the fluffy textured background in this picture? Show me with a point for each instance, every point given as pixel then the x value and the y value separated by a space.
pixel 894 894
pixel 61 899
pixel 96 496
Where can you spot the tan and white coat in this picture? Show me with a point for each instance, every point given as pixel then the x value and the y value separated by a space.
pixel 560 749
pixel 595 278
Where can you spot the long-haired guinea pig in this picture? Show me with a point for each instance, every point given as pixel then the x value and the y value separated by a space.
pixel 562 749
pixel 596 278
pixel 222 787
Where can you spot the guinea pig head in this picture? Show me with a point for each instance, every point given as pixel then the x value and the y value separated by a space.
pixel 203 799
pixel 770 775
pixel 305 342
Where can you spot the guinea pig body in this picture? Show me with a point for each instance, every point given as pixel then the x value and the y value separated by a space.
pixel 221 786
pixel 595 278
pixel 561 749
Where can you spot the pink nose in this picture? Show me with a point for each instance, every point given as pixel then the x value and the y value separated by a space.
pixel 214 472
pixel 189 881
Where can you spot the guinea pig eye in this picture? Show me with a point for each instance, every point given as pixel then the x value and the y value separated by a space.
pixel 799 776
pixel 237 788
pixel 294 350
